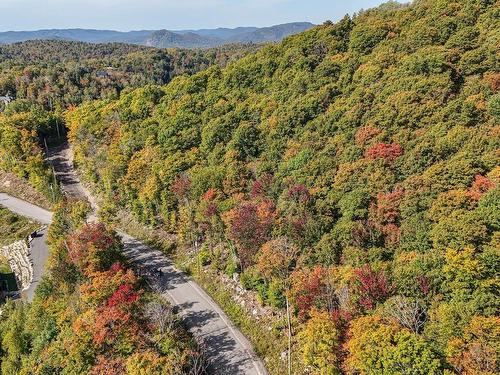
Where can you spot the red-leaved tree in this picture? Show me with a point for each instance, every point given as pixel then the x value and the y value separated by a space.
pixel 385 151
pixel 249 226
pixel 93 248
pixel 384 215
pixel 480 186
pixel 370 287
pixel 311 288
pixel 181 187
pixel 108 366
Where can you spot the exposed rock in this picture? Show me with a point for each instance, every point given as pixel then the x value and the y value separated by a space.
pixel 246 298
pixel 17 255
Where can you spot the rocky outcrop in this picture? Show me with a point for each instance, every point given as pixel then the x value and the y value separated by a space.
pixel 246 298
pixel 18 256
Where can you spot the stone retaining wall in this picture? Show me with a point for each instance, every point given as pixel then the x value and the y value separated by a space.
pixel 18 256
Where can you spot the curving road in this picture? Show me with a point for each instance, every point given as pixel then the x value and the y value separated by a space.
pixel 25 209
pixel 39 249
pixel 229 351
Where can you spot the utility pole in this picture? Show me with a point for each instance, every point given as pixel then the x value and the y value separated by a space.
pixel 51 166
pixel 197 255
pixel 289 336
pixel 57 121
pixel 57 127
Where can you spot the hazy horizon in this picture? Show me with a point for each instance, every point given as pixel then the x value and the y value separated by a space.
pixel 134 15
pixel 148 29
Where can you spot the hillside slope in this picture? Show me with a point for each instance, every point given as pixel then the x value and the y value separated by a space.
pixel 353 169
pixel 91 314
pixel 45 77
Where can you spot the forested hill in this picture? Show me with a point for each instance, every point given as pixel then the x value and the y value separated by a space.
pixel 46 77
pixel 56 51
pixel 353 168
pixel 69 73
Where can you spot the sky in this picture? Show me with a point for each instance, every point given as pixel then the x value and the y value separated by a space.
pixel 125 15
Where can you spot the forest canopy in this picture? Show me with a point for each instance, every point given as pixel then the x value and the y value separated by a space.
pixel 352 168
pixel 44 78
pixel 350 172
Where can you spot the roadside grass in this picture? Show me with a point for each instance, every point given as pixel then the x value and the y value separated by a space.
pixel 266 336
pixel 4 265
pixel 152 237
pixel 20 188
pixel 13 227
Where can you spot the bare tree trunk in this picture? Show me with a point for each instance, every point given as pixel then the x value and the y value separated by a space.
pixel 289 336
pixel 197 252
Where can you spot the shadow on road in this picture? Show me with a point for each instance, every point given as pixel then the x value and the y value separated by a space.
pixel 226 357
pixel 227 349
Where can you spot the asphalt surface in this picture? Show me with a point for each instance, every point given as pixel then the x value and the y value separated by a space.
pixel 39 255
pixel 39 249
pixel 25 209
pixel 228 350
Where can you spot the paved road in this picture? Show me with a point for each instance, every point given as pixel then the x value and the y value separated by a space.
pixel 228 349
pixel 25 209
pixel 39 255
pixel 39 249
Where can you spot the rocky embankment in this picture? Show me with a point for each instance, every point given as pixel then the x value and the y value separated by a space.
pixel 18 256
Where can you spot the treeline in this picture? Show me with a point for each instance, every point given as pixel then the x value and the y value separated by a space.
pixel 58 51
pixel 351 169
pixel 60 73
pixel 44 78
pixel 92 314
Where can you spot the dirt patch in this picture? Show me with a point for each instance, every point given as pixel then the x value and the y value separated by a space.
pixel 19 188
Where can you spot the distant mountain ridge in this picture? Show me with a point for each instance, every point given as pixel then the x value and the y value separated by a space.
pixel 202 38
